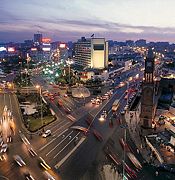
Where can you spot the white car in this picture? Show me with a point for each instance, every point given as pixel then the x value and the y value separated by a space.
pixel 4 148
pixel 19 160
pixel 47 133
pixel 48 175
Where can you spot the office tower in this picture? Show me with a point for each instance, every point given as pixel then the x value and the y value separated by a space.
pixel 91 52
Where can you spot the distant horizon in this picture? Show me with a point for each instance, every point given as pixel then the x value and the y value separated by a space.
pixel 75 40
pixel 65 21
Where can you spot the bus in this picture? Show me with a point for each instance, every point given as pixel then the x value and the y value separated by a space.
pixel 115 105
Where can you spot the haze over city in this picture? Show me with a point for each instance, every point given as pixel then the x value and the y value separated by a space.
pixel 68 20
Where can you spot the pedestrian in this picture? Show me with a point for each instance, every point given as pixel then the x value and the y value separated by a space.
pixel 157 173
pixel 138 151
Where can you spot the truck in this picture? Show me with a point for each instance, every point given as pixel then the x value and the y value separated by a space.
pixel 115 105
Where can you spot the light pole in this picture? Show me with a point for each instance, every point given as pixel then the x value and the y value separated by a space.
pixel 40 93
pixel 127 92
pixel 69 62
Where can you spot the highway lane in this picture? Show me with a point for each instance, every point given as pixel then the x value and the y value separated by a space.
pixel 78 163
pixel 82 122
pixel 9 168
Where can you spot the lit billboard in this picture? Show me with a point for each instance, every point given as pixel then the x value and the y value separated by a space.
pixel 3 49
pixel 62 45
pixel 11 49
pixel 46 40
pixel 46 48
pixel 33 49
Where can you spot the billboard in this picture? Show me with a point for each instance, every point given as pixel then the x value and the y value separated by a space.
pixel 11 49
pixel 3 49
pixel 46 48
pixel 62 45
pixel 46 40
pixel 33 49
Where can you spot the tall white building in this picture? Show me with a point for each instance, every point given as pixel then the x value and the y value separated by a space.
pixel 92 52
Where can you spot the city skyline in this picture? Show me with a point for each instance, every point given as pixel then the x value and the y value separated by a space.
pixel 129 19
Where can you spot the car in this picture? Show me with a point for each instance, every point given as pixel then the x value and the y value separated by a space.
pixel 52 98
pixel 28 176
pixel 122 112
pixel 47 133
pixel 23 138
pixel 43 163
pixel 9 139
pixel 48 176
pixel 32 152
pixel 4 148
pixel 19 160
pixel 65 95
pixel 98 101
pixel 2 157
pixel 98 135
pixel 104 113
pixel 1 142
pixel 126 107
pixel 121 84
pixel 93 101
pixel 104 97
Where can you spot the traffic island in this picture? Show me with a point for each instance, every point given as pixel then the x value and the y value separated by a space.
pixel 35 124
pixel 36 114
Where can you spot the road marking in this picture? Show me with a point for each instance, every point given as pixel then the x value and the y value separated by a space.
pixel 55 125
pixel 46 144
pixel 58 144
pixel 65 146
pixel 52 140
pixel 60 127
pixel 70 153
pixel 62 133
pixel 71 118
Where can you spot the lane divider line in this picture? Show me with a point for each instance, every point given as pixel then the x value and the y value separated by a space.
pixel 65 146
pixel 70 153
pixel 59 143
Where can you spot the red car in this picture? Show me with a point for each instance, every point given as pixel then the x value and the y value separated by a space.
pixel 89 121
pixel 97 135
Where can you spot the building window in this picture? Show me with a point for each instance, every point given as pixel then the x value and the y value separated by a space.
pixel 99 47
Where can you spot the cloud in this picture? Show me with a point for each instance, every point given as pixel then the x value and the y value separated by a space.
pixel 65 29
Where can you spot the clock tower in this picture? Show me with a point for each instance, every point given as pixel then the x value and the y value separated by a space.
pixel 147 98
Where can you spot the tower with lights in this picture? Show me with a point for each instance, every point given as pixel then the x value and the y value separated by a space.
pixel 148 92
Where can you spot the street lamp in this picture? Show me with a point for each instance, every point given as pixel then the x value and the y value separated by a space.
pixel 39 88
pixel 69 62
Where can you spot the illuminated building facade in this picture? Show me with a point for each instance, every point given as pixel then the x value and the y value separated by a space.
pixel 92 52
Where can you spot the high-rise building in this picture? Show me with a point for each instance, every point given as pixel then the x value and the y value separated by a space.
pixel 92 52
pixel 148 92
pixel 37 39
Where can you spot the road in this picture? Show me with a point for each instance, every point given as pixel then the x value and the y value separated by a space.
pixel 65 143
pixel 59 145
pixel 9 168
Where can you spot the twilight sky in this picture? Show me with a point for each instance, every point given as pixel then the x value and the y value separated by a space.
pixel 66 20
